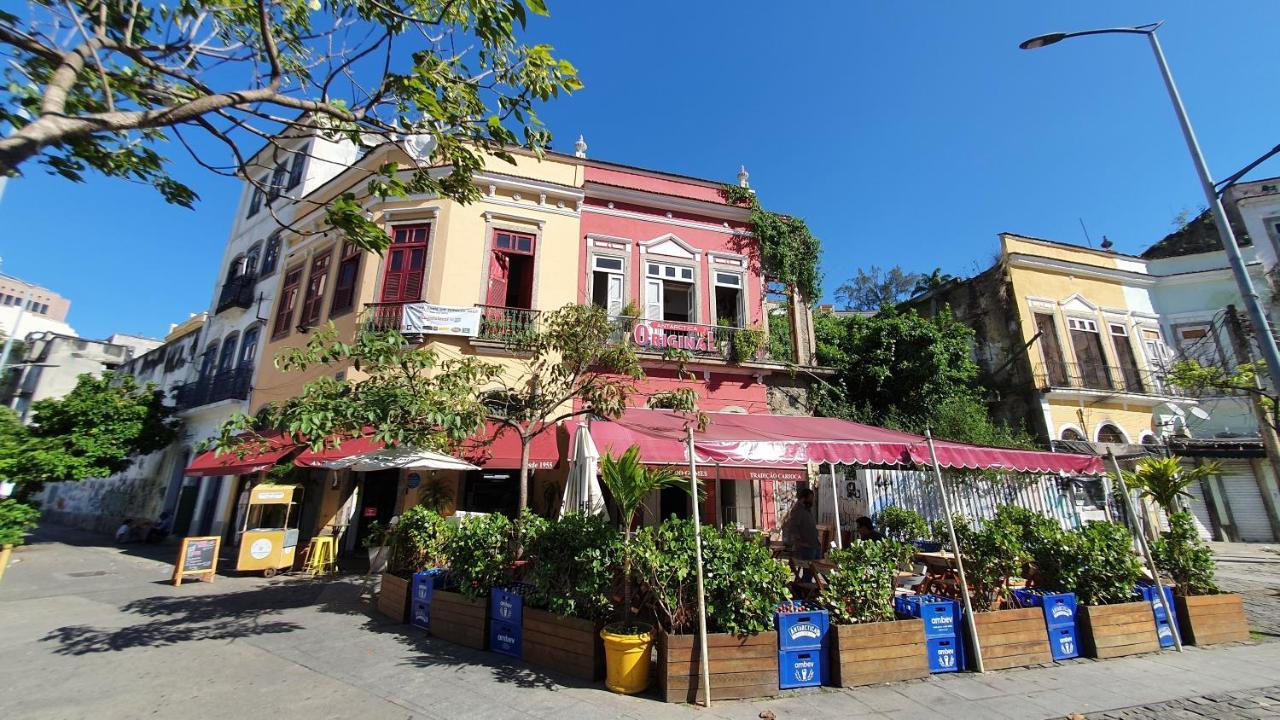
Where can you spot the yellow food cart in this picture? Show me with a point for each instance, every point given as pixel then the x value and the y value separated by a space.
pixel 270 533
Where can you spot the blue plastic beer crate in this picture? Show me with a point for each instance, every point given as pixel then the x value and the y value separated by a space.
pixel 944 655
pixel 420 615
pixel 1062 643
pixel 505 638
pixel 507 605
pixel 1165 633
pixel 425 582
pixel 802 668
pixel 941 615
pixel 801 626
pixel 1148 593
pixel 1059 608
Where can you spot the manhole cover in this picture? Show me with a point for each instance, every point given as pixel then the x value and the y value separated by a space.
pixel 88 573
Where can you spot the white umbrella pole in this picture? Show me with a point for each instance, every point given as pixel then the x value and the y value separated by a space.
pixel 1146 549
pixel 702 598
pixel 835 503
pixel 955 548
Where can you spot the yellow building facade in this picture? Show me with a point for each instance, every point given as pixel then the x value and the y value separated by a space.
pixel 1092 337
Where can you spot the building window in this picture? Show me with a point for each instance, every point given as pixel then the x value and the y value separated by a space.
pixel 669 293
pixel 1091 360
pixel 1125 357
pixel 317 282
pixel 295 169
pixel 277 183
pixel 287 302
pixel 255 197
pixel 271 255
pixel 1071 434
pixel 251 259
pixel 1198 343
pixel 1109 433
pixel 511 270
pixel 236 268
pixel 406 263
pixel 249 346
pixel 208 361
pixel 344 286
pixel 608 284
pixel 227 360
pixel 729 299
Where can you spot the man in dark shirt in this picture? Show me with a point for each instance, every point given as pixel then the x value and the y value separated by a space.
pixel 867 531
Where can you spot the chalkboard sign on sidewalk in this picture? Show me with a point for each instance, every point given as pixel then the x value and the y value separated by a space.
pixel 197 556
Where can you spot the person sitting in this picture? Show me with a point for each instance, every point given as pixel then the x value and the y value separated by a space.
pixel 866 530
pixel 124 533
pixel 161 528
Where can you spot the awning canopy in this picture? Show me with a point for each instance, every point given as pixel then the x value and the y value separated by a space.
pixel 276 445
pixel 340 456
pixel 764 441
pixel 498 446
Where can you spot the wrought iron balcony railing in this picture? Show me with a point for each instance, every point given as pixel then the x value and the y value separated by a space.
pixel 497 324
pixel 226 385
pixel 1106 378
pixel 238 292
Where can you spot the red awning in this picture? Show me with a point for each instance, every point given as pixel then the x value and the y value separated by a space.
pixel 348 448
pixel 256 459
pixel 498 446
pixel 775 440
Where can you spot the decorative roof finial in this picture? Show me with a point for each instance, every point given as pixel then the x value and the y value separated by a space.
pixel 580 148
pixel 742 176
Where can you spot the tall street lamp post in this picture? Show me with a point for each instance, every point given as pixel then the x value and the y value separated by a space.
pixel 1253 304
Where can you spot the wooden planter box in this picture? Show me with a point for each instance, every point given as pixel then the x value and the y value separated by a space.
pixel 393 597
pixel 878 652
pixel 1209 619
pixel 1011 638
pixel 741 667
pixel 460 620
pixel 568 645
pixel 1107 631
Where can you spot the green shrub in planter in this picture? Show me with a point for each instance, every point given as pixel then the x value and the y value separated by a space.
pixel 418 542
pixel 480 552
pixel 742 579
pixel 1098 564
pixel 1043 543
pixel 861 588
pixel 992 554
pixel 902 524
pixel 16 520
pixel 573 567
pixel 1183 556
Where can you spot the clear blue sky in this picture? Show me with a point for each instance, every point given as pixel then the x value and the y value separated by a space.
pixel 904 132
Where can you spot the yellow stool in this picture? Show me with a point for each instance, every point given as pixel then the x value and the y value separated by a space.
pixel 320 558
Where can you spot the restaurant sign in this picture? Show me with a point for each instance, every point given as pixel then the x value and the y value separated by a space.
pixel 658 336
pixel 711 472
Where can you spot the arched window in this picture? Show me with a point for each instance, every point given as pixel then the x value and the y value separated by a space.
pixel 1109 433
pixel 251 259
pixel 208 360
pixel 249 346
pixel 235 268
pixel 270 255
pixel 227 360
pixel 1072 434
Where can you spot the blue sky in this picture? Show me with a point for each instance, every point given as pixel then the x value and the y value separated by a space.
pixel 905 133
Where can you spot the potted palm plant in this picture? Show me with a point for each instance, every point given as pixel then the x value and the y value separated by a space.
pixel 1165 482
pixel 628 644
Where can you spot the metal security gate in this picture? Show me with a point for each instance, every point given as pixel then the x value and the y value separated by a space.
pixel 1248 512
pixel 1204 520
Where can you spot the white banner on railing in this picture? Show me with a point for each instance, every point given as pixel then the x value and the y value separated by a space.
pixel 426 319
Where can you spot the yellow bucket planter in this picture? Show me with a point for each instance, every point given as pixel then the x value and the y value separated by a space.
pixel 627 658
pixel 4 557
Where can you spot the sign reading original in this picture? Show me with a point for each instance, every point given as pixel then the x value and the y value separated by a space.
pixel 426 319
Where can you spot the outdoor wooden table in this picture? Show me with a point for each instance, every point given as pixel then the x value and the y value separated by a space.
pixel 941 560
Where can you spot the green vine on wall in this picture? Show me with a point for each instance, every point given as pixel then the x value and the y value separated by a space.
pixel 788 251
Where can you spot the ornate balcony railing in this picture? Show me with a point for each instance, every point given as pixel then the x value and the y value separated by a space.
pixel 1106 378
pixel 507 325
pixel 227 385
pixel 238 292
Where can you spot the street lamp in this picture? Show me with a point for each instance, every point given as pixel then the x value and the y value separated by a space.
pixel 1252 303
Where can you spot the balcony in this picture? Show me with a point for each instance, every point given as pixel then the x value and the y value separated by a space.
pixel 238 292
pixel 227 385
pixel 1095 379
pixel 510 326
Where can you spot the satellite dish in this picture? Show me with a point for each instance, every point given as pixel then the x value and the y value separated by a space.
pixel 1199 413
pixel 1178 411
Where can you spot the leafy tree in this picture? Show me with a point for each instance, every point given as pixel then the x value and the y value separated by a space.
pixel 406 395
pixel 480 553
pixel 104 84
pixel 574 563
pixel 16 520
pixel 92 432
pixel 935 279
pixel 1165 480
pixel 629 482
pixel 573 367
pixel 901 524
pixel 876 289
pixel 1245 377
pixel 782 245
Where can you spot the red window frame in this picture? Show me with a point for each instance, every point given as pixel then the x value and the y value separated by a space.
pixel 402 277
pixel 288 300
pixel 317 281
pixel 344 284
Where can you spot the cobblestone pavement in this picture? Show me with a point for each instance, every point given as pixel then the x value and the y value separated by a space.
pixel 1260 703
pixel 1253 570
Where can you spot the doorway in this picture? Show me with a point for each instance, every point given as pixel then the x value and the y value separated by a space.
pixel 674 501
pixel 378 492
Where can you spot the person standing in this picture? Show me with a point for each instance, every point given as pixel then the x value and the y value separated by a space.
pixel 801 531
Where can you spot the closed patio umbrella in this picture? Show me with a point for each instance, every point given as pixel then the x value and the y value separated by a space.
pixel 582 491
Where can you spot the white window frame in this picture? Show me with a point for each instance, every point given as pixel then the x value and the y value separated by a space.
pixel 740 286
pixel 654 285
pixel 621 273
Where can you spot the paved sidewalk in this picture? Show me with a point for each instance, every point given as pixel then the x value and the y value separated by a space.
pixel 1260 703
pixel 1253 570
pixel 96 632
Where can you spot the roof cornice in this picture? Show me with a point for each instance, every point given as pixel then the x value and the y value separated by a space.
pixel 1066 267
